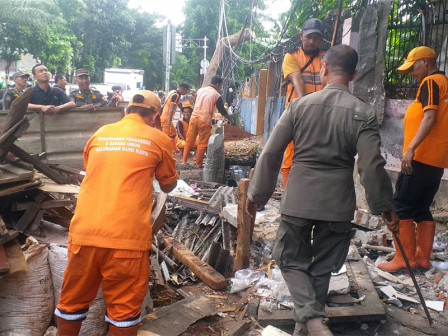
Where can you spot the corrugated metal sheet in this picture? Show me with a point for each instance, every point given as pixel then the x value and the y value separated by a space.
pixel 273 111
pixel 64 134
pixel 248 112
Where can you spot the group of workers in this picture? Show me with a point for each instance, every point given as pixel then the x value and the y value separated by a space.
pixel 323 129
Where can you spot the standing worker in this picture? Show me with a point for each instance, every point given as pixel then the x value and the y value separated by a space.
pixel 201 121
pixel 20 79
pixel 302 70
pixel 425 155
pixel 329 128
pixel 110 234
pixel 169 109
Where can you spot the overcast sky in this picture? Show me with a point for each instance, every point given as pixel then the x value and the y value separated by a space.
pixel 172 9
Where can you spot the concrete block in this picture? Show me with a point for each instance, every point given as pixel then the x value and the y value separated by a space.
pixel 339 285
pixel 230 214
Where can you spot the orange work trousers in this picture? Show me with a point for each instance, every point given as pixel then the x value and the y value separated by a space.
pixel 287 162
pixel 197 128
pixel 123 274
pixel 170 131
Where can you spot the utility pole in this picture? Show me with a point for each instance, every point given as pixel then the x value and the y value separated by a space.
pixel 169 50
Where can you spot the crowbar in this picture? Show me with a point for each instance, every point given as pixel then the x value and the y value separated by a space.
pixel 417 288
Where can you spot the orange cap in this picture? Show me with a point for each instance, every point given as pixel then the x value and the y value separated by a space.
pixel 415 55
pixel 146 99
pixel 187 105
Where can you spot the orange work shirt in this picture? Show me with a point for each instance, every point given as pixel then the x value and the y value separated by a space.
pixel 432 94
pixel 114 202
pixel 310 75
pixel 173 98
pixel 204 106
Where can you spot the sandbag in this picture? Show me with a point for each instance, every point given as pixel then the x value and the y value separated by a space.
pixel 26 298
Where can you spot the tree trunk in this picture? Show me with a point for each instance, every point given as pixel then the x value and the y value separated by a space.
pixel 234 40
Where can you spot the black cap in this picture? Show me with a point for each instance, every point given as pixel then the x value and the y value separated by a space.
pixel 313 26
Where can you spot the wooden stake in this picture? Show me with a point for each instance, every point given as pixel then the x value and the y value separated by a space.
pixel 243 229
pixel 261 100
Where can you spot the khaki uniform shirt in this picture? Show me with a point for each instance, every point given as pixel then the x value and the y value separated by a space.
pixel 92 97
pixel 329 128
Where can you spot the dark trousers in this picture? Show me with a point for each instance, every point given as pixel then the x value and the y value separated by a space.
pixel 307 265
pixel 415 192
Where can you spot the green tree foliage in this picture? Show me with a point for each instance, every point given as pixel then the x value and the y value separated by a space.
pixel 35 13
pixel 145 51
pixel 102 30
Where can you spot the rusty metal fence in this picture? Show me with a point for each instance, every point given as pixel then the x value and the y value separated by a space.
pixel 414 23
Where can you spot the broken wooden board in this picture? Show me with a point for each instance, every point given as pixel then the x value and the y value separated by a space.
pixel 369 309
pixel 201 269
pixel 59 188
pixel 16 258
pixel 158 212
pixel 20 187
pixel 174 319
pixel 236 328
pixel 10 173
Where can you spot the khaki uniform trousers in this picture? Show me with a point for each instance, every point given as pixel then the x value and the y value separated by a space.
pixel 307 264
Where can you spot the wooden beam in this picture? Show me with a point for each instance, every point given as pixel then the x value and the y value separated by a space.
pixel 261 101
pixel 243 229
pixel 39 165
pixel 202 270
pixel 270 79
pixel 158 212
pixel 29 214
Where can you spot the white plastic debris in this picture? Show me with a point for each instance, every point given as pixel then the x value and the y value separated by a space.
pixel 439 246
pixel 441 265
pixel 243 279
pixel 273 331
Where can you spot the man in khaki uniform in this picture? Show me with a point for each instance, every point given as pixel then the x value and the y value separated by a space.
pixel 85 97
pixel 329 128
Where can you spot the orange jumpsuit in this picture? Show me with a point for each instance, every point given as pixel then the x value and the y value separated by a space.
pixel 110 233
pixel 311 78
pixel 201 122
pixel 172 98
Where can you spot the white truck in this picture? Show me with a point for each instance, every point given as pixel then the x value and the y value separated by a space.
pixel 128 79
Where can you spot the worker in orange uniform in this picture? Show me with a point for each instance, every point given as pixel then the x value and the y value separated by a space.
pixel 201 121
pixel 110 234
pixel 425 155
pixel 170 107
pixel 182 126
pixel 302 69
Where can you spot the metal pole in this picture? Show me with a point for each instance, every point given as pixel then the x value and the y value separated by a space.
pixel 205 54
pixel 168 56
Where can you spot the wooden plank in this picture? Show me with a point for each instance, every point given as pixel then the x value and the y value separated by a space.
pixel 59 188
pixel 202 270
pixel 20 187
pixel 29 214
pixel 243 229
pixel 158 212
pixel 39 165
pixel 10 173
pixel 51 204
pixel 270 79
pixel 237 328
pixel 261 100
pixel 174 319
pixel 369 309
pixel 16 258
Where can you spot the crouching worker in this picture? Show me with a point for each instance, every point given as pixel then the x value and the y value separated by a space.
pixel 110 233
pixel 182 127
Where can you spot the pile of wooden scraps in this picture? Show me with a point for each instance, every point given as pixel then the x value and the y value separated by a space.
pixel 30 204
